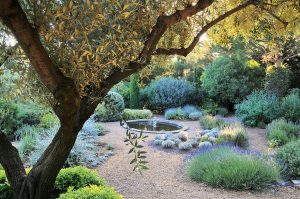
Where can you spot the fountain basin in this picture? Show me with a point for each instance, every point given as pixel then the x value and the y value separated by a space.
pixel 157 126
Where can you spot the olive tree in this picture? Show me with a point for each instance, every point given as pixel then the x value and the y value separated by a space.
pixel 79 49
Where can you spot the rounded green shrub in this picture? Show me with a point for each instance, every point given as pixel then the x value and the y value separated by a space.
pixel 291 107
pixel 8 118
pixel 169 92
pixel 289 154
pixel 6 191
pixel 76 177
pixel 279 132
pixel 230 78
pixel 277 80
pixel 111 109
pixel 225 168
pixel 259 107
pixel 133 114
pixel 92 192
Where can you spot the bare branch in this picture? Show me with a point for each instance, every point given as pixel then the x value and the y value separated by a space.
pixel 186 51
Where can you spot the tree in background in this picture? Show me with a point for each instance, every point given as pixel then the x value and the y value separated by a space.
pixel 80 49
pixel 134 92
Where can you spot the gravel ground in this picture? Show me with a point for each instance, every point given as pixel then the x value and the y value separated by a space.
pixel 166 178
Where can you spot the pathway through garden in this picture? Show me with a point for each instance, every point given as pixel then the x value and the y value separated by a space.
pixel 166 178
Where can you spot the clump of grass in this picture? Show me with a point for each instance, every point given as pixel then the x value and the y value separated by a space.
pixel 234 133
pixel 225 168
pixel 210 122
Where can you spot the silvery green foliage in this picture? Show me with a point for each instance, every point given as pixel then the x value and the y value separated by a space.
pixel 84 152
pixel 188 109
pixel 169 92
pixel 157 137
pixel 168 144
pixel 195 115
pixel 185 146
pixel 183 135
pixel 177 141
pixel 158 142
pixel 114 102
pixel 205 144
pixel 193 142
pixel 168 136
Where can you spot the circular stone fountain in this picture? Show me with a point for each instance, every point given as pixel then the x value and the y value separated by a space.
pixel 154 126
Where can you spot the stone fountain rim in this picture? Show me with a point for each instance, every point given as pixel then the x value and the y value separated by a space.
pixel 177 124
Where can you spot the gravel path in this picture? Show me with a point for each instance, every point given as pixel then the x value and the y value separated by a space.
pixel 166 178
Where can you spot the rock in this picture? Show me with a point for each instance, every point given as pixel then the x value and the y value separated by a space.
pixel 296 182
pixel 205 144
pixel 285 183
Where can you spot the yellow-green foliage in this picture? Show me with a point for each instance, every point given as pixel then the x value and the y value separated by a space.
pixel 49 120
pixel 209 122
pixel 76 177
pixel 133 114
pixel 92 192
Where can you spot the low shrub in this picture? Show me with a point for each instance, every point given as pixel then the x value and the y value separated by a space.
pixel 92 192
pixel 225 168
pixel 187 112
pixel 6 191
pixel 76 177
pixel 2 177
pixel 167 144
pixel 289 155
pixel 82 152
pixel 185 146
pixel 279 132
pixel 195 116
pixel 222 111
pixel 8 118
pixel 259 107
pixel 111 109
pixel 49 120
pixel 210 106
pixel 188 109
pixel 133 114
pixel 209 122
pixel 234 133
pixel 291 107
pixel 169 92
pixel 27 144
pixel 30 113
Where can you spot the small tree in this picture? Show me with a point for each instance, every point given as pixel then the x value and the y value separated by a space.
pixel 134 92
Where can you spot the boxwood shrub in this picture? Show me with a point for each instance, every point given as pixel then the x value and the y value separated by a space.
pixel 133 114
pixel 92 192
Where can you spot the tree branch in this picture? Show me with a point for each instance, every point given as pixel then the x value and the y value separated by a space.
pixel 285 23
pixel 186 51
pixel 162 24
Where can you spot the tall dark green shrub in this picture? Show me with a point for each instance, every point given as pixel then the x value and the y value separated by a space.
pixel 230 78
pixel 134 92
pixel 8 117
pixel 277 80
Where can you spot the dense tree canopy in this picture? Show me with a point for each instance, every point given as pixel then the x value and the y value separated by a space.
pixel 79 49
